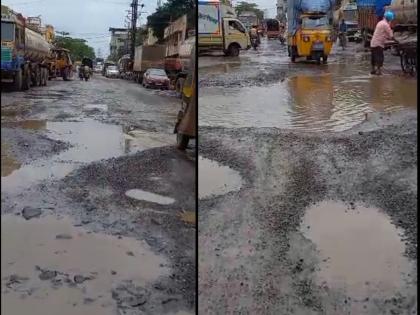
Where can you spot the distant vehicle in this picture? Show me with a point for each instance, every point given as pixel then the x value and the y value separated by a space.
pixel 273 29
pixel 106 65
pixel 155 77
pixel 98 68
pixel 112 72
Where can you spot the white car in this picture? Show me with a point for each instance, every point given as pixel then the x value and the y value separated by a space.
pixel 112 72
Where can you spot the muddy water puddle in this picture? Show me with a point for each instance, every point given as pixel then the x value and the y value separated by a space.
pixel 139 194
pixel 327 98
pixel 215 179
pixel 361 251
pixel 76 269
pixel 90 141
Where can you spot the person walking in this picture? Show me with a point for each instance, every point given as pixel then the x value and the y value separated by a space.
pixel 382 34
pixel 342 34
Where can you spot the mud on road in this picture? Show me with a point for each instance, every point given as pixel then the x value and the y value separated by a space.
pixel 324 217
pixel 74 240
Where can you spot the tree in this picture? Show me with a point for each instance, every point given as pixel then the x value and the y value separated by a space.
pixel 77 46
pixel 249 6
pixel 170 11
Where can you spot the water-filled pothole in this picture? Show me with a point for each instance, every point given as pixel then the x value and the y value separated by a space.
pixel 90 141
pixel 148 196
pixel 361 250
pixel 76 269
pixel 215 179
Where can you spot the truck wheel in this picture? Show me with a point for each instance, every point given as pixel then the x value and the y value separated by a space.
pixel 46 76
pixel 26 78
pixel 18 80
pixel 233 50
pixel 36 79
pixel 65 74
pixel 324 59
pixel 182 141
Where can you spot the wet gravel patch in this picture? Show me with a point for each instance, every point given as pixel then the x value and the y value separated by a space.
pixel 27 145
pixel 98 192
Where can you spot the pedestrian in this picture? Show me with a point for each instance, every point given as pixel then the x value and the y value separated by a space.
pixel 342 32
pixel 382 34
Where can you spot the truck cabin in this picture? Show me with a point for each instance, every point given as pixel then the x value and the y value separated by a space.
pixel 235 26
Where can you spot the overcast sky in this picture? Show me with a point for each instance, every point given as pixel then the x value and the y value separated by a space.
pixel 90 19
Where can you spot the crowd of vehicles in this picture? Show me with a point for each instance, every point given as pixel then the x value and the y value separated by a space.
pixel 28 57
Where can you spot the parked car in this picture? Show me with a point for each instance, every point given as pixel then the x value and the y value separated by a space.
pixel 156 78
pixel 112 72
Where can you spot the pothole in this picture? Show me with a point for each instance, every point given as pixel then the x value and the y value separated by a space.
pixel 90 141
pixel 139 194
pixel 361 251
pixel 76 271
pixel 215 179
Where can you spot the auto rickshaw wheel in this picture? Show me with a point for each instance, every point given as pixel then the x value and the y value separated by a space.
pixel 182 141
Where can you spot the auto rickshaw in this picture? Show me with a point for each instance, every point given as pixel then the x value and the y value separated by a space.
pixel 186 126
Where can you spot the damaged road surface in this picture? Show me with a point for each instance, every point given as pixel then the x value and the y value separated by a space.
pixel 312 208
pixel 98 206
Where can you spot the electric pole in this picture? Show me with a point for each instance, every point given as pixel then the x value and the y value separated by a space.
pixel 134 6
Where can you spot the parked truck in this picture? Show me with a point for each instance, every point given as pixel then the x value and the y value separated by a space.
pixel 220 30
pixel 348 12
pixel 309 29
pixel 148 56
pixel 24 52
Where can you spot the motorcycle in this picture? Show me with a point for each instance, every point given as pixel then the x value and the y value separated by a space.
pixel 254 42
pixel 84 73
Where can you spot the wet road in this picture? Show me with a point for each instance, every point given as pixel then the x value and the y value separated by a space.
pixel 88 170
pixel 309 203
pixel 263 89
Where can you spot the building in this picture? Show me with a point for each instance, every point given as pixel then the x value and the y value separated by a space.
pixel 120 43
pixel 281 10
pixel 174 35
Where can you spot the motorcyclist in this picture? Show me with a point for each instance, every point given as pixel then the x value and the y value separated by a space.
pixel 253 34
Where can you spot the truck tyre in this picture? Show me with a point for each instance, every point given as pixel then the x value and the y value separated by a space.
pixel 36 79
pixel 324 59
pixel 233 50
pixel 182 141
pixel 18 80
pixel 26 78
pixel 45 76
pixel 65 74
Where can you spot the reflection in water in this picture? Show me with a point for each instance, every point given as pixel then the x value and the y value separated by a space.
pixel 102 258
pixel 27 124
pixel 361 250
pixel 8 163
pixel 148 196
pixel 215 179
pixel 327 98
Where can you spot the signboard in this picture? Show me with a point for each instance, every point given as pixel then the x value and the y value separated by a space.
pixel 208 18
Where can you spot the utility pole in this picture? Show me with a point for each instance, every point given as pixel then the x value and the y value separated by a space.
pixel 134 6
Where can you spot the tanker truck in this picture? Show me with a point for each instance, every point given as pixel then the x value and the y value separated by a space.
pixel 24 52
pixel 371 11
pixel 309 29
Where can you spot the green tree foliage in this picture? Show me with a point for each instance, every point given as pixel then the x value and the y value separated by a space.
pixel 249 6
pixel 170 11
pixel 77 46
